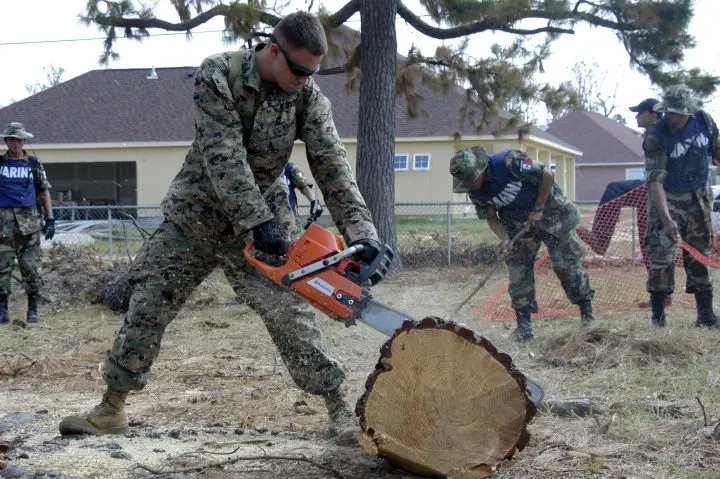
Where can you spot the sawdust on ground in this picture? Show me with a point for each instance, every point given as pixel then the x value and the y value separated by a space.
pixel 220 387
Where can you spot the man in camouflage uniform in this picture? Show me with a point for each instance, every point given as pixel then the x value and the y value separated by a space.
pixel 22 182
pixel 510 191
pixel 678 150
pixel 245 130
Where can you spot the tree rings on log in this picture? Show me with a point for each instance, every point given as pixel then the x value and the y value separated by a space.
pixel 444 402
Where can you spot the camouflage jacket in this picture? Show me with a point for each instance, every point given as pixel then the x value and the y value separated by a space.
pixel 244 137
pixel 656 158
pixel 24 220
pixel 559 215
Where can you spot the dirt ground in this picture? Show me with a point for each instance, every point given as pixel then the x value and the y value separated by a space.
pixel 219 391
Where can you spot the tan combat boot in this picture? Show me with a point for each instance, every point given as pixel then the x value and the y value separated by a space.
pixel 108 417
pixel 342 424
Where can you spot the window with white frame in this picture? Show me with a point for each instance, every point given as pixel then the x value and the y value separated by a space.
pixel 634 173
pixel 401 161
pixel 421 161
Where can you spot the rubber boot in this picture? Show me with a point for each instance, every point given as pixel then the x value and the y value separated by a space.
pixel 648 303
pixel 108 417
pixel 4 309
pixel 657 302
pixel 587 318
pixel 32 313
pixel 705 315
pixel 523 332
pixel 342 424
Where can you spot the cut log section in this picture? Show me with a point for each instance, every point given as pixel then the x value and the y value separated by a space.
pixel 444 402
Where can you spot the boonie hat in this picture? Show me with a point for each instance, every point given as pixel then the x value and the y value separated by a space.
pixel 16 130
pixel 466 166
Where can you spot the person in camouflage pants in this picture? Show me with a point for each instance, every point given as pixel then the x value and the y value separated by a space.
pixel 246 125
pixel 22 182
pixel 678 150
pixel 511 191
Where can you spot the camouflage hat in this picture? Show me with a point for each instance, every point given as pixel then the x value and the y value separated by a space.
pixel 679 99
pixel 16 130
pixel 466 166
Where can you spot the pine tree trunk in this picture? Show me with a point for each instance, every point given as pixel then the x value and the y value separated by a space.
pixel 376 135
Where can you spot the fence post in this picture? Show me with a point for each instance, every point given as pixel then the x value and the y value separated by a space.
pixel 449 233
pixel 110 234
pixel 632 254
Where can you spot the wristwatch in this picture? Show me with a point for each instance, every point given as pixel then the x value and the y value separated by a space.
pixel 539 207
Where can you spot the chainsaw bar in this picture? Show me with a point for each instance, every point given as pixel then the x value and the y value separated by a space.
pixel 381 317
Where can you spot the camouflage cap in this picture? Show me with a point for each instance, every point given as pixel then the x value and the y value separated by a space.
pixel 16 130
pixel 466 166
pixel 679 99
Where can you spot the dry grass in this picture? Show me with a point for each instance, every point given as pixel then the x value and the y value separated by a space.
pixel 604 348
pixel 219 367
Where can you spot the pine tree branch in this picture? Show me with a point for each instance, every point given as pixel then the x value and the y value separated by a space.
pixel 493 24
pixel 342 15
pixel 144 23
pixel 334 21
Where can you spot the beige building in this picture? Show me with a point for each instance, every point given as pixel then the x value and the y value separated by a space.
pixel 120 136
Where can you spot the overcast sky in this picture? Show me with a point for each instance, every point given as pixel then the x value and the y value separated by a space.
pixel 26 21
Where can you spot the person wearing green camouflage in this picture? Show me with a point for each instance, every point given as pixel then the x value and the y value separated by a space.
pixel 22 182
pixel 295 179
pixel 246 124
pixel 678 150
pixel 511 192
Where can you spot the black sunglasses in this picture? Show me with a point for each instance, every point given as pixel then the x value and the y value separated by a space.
pixel 297 70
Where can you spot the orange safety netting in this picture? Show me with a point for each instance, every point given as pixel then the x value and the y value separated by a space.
pixel 614 259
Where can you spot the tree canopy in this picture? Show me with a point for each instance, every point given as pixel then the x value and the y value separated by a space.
pixel 653 32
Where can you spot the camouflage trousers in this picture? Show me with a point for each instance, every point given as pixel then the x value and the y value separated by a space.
pixel 565 249
pixel 691 212
pixel 26 248
pixel 165 274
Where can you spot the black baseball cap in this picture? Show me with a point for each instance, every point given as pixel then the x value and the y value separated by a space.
pixel 646 105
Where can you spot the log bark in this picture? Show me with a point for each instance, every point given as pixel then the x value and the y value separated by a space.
pixel 444 402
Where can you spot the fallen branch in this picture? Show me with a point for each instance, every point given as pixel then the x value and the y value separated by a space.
pixel 586 408
pixel 233 460
pixel 143 232
pixel 702 407
pixel 576 408
pixel 14 370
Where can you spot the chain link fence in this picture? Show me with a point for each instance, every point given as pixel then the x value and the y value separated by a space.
pixel 436 234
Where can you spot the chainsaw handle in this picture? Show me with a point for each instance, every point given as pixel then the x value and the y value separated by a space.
pixel 257 263
pixel 278 273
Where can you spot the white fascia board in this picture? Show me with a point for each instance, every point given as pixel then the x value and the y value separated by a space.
pixel 532 138
pixel 113 145
pixel 580 164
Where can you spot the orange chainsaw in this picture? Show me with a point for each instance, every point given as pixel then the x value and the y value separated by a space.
pixel 328 276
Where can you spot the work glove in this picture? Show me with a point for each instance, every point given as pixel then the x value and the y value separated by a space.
pixel 48 229
pixel 269 238
pixel 316 209
pixel 370 251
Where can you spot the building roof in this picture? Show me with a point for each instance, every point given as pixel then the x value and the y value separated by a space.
pixel 123 105
pixel 601 139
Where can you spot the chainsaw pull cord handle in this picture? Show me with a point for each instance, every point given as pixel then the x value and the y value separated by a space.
pixel 503 257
